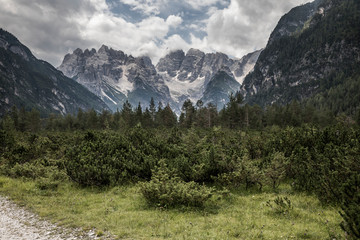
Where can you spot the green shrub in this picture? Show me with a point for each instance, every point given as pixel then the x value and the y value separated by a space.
pixel 166 189
pixel 351 207
pixel 27 170
pixel 47 184
pixel 276 170
pixel 101 159
pixel 280 205
pixel 246 173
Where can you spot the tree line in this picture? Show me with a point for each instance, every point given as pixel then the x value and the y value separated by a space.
pixel 234 115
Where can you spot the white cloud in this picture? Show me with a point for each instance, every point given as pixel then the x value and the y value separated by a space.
pixel 155 7
pixel 245 25
pixel 174 21
pixel 51 28
pixel 133 38
pixel 199 4
pixel 148 7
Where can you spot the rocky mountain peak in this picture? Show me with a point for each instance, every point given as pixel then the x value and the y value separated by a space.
pixel 144 61
pixel 115 76
pixel 191 65
pixel 303 62
pixel 10 42
pixel 78 52
pixel 226 70
pixel 88 52
pixel 171 63
pixel 103 49
pixel 195 52
pixel 188 75
pixel 295 20
pixel 217 58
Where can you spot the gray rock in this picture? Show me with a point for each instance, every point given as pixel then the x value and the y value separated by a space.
pixel 188 76
pixel 114 76
pixel 171 63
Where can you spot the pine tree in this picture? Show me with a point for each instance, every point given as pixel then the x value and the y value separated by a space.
pixel 34 123
pixel 189 113
pixel 168 117
pixel 80 119
pixel 152 109
pixel 147 119
pixel 92 119
pixel 127 114
pixel 139 114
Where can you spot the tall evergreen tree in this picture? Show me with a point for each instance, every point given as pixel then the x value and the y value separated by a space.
pixel 127 113
pixel 189 114
pixel 138 114
pixel 152 109
pixel 92 119
pixel 34 123
pixel 168 117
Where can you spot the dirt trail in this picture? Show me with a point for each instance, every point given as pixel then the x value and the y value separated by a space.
pixel 16 223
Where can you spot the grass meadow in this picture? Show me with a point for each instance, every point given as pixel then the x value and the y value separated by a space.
pixel 123 212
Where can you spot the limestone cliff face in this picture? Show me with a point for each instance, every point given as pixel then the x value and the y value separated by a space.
pixel 188 75
pixel 115 77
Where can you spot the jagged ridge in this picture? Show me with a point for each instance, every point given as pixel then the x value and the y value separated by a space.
pixel 116 77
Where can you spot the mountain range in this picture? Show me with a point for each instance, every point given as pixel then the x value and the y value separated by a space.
pixel 312 56
pixel 116 77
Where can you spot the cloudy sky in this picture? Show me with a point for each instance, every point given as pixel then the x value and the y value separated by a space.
pixel 52 28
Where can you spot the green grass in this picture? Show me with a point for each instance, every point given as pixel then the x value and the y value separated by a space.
pixel 123 212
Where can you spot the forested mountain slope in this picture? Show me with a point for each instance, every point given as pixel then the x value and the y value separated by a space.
pixel 28 82
pixel 318 61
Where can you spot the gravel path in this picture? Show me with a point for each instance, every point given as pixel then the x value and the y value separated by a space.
pixel 16 223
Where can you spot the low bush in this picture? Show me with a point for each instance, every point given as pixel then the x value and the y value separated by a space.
pixel 246 172
pixel 47 184
pixel 280 205
pixel 351 207
pixel 101 159
pixel 27 170
pixel 166 189
pixel 276 170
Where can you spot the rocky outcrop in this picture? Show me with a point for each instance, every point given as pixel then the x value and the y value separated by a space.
pixel 188 75
pixel 171 63
pixel 295 20
pixel 220 86
pixel 115 77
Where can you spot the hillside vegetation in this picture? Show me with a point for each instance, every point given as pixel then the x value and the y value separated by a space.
pixel 130 170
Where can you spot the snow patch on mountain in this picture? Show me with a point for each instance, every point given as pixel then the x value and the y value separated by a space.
pixel 182 90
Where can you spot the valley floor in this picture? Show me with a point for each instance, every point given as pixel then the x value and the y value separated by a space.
pixel 123 212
